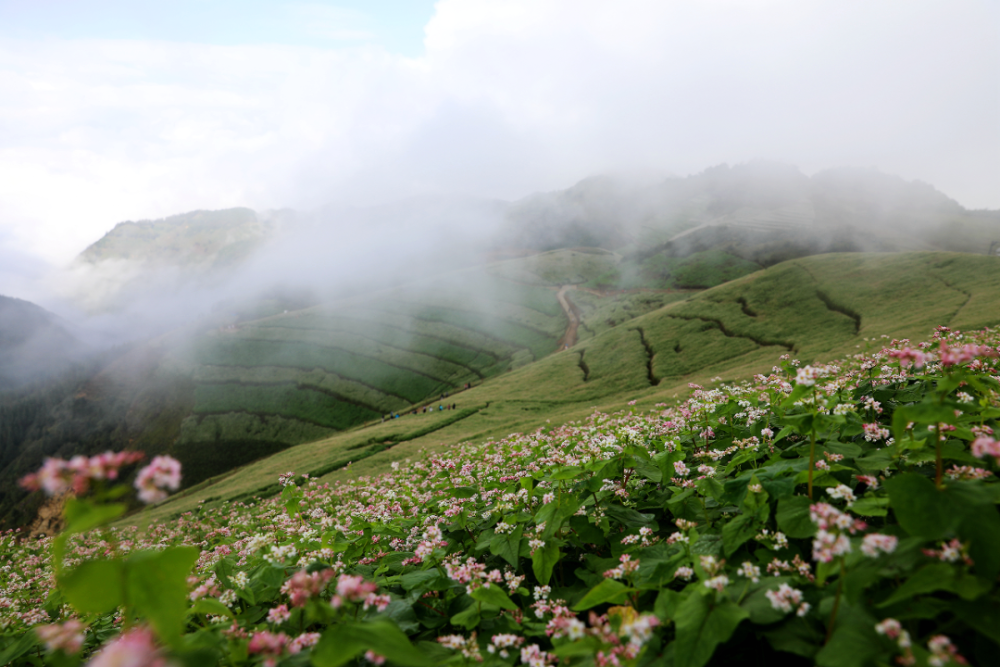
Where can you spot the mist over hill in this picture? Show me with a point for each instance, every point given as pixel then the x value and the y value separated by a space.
pixel 34 344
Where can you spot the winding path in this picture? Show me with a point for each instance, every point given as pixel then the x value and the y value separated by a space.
pixel 569 338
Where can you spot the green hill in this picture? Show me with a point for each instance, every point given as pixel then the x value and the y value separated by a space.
pixel 813 308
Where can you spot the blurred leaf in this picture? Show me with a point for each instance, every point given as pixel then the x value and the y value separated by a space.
pixel 921 509
pixel 702 627
pixel 494 595
pixel 342 643
pixel 94 586
pixel 543 560
pixel 793 517
pixel 157 588
pixel 608 590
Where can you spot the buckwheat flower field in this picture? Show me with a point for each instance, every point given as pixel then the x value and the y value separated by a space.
pixel 840 514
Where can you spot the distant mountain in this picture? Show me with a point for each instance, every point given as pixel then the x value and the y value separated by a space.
pixel 34 344
pixel 205 238
pixel 861 209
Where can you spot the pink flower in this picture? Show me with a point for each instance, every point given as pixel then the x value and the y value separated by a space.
pixel 984 446
pixel 943 652
pixel 163 472
pixel 876 542
pixel 67 637
pixel 304 585
pixel 351 588
pixel 304 640
pixel 57 476
pixel 269 644
pixel 278 615
pixel 132 649
pixel 908 356
pixel 374 658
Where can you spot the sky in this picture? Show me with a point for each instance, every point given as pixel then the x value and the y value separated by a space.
pixel 114 110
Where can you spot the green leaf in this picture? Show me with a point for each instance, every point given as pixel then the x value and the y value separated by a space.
pixel 494 595
pixel 468 618
pixel 796 636
pixel 649 471
pixel 95 586
pixel 982 614
pixel 565 473
pixel 157 588
pixel 508 547
pixel 667 604
pixel 793 517
pixel 736 532
pixel 921 509
pixel 211 606
pixel 871 506
pixel 27 641
pixel 81 516
pixel 418 579
pixel 852 644
pixel 629 517
pixel 609 590
pixel 543 560
pixel 933 577
pixel 463 492
pixel 981 527
pixel 701 628
pixel 342 643
pixel 758 606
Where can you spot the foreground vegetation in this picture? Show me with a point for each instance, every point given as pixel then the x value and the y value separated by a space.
pixel 838 514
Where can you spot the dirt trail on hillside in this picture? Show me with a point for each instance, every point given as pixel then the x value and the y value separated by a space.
pixel 572 313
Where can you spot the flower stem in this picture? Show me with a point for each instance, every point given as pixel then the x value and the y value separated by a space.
pixel 836 603
pixel 812 460
pixel 937 453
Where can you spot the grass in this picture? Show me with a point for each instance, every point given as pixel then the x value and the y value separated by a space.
pixel 728 332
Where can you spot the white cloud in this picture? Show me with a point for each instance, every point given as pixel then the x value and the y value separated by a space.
pixel 509 98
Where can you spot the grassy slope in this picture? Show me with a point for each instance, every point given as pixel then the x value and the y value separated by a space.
pixel 815 308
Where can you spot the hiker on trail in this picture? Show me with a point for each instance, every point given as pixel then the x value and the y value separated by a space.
pixel 454 406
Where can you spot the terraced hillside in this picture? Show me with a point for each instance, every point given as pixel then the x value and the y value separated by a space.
pixel 816 307
pixel 306 374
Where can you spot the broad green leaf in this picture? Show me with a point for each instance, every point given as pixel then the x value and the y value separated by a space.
pixel 871 506
pixel 933 577
pixel 629 517
pixel 981 527
pixel 464 491
pixel 468 618
pixel 796 636
pixel 27 641
pixel 852 644
pixel 157 588
pixel 608 591
pixel 493 594
pixel 565 473
pixel 793 517
pixel 508 547
pixel 210 606
pixel 736 532
pixel 81 516
pixel 667 604
pixel 649 471
pixel 702 627
pixel 543 560
pixel 921 509
pixel 94 586
pixel 418 579
pixel 758 606
pixel 342 643
pixel 585 647
pixel 982 614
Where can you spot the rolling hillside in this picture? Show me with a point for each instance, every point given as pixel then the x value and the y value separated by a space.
pixel 816 307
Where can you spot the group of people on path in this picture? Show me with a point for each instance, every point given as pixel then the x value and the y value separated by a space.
pixel 429 408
